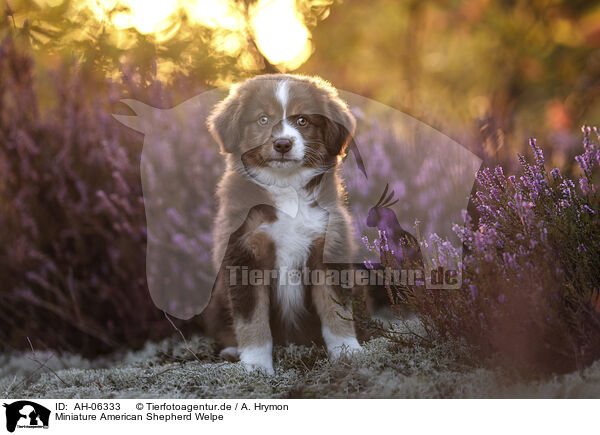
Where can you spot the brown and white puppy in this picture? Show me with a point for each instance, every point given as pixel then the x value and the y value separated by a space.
pixel 280 208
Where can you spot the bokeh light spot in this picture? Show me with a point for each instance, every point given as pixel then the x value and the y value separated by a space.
pixel 280 32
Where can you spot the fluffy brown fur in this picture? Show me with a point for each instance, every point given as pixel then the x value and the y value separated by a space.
pixel 280 206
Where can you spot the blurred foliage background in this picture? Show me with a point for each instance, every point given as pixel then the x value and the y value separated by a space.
pixel 487 73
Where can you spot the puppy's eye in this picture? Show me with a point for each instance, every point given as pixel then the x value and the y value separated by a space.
pixel 263 120
pixel 301 121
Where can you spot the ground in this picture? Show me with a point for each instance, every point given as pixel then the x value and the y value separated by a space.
pixel 168 369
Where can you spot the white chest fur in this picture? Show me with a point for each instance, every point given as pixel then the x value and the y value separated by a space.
pixel 297 226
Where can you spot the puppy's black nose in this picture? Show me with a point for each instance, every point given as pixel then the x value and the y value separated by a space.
pixel 282 145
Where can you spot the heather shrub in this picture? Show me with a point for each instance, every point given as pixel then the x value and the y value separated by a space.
pixel 72 227
pixel 531 267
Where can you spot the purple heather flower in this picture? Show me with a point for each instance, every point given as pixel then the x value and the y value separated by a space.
pixel 585 186
pixel 473 290
pixel 384 246
pixel 509 260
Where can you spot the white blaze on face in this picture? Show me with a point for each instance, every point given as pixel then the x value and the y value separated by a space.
pixel 282 93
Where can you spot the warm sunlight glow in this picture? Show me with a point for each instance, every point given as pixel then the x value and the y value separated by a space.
pixel 225 17
pixel 147 17
pixel 277 26
pixel 50 3
pixel 280 32
pixel 100 8
pixel 215 14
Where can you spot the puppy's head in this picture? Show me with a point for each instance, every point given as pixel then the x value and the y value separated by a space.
pixel 281 123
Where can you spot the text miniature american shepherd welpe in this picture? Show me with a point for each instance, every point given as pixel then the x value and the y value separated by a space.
pixel 280 208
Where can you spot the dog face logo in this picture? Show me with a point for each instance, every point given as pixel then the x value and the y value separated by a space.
pixel 26 414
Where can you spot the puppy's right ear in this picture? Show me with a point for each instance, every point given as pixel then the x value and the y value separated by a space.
pixel 224 122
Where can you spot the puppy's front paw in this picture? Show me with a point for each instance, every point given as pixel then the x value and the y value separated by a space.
pixel 344 349
pixel 340 345
pixel 258 358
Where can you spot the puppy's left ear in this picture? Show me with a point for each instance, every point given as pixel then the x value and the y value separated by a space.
pixel 340 127
pixel 224 122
